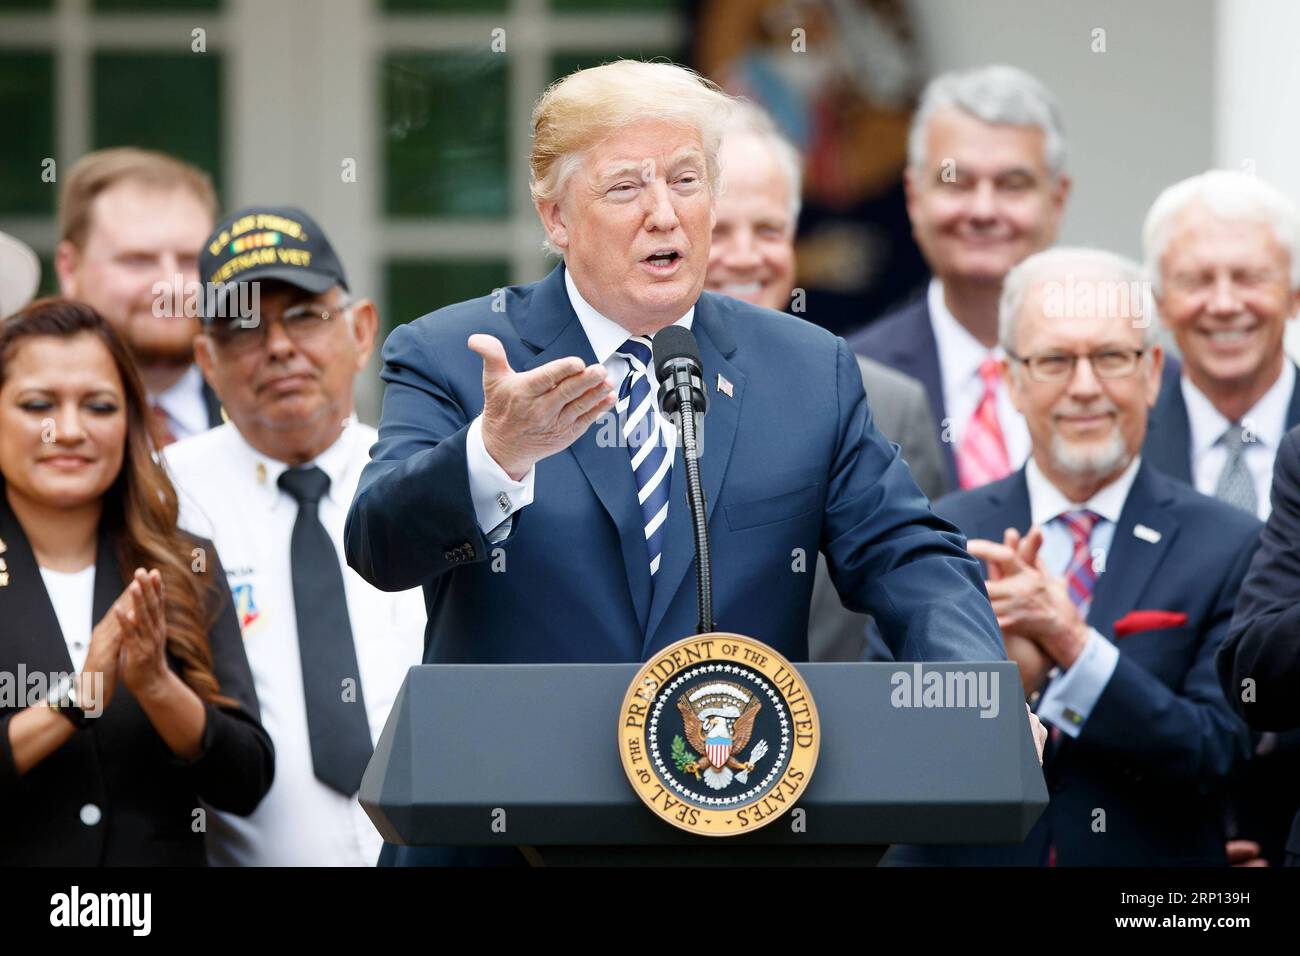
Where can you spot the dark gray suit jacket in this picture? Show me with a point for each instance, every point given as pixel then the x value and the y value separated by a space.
pixel 902 412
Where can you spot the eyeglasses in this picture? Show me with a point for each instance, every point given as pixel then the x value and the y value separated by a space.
pixel 1059 366
pixel 302 323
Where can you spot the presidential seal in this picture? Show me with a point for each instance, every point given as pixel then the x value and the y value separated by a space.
pixel 718 734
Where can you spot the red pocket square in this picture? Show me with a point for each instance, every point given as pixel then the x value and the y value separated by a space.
pixel 1135 621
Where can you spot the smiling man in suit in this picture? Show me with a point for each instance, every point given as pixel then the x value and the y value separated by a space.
pixel 1223 251
pixel 539 538
pixel 1113 585
pixel 986 186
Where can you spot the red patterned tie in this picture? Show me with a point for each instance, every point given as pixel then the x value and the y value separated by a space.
pixel 982 453
pixel 1080 574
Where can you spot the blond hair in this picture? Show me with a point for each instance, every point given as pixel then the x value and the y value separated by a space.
pixel 101 170
pixel 578 111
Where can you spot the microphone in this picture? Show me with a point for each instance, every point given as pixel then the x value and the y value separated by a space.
pixel 683 397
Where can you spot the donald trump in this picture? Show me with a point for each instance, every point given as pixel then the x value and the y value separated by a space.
pixel 538 539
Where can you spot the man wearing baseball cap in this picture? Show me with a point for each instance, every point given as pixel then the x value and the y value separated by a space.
pixel 281 343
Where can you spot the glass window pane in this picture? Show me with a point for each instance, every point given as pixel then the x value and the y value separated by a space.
pixel 445 135
pixel 444 6
pixel 418 286
pixel 154 6
pixel 616 6
pixel 27 105
pixel 182 94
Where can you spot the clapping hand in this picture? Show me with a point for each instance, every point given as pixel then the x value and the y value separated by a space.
pixel 143 623
pixel 1030 602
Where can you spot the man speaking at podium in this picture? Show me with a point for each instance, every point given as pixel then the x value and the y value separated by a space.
pixel 540 538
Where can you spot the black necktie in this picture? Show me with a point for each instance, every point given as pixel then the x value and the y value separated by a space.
pixel 336 713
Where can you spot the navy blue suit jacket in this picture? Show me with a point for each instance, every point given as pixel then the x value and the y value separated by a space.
pixel 791 464
pixel 1168 444
pixel 904 339
pixel 1156 750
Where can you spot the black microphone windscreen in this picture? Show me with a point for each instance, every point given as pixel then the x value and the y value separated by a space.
pixel 675 342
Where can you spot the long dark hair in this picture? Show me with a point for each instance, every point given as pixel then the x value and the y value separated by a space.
pixel 140 507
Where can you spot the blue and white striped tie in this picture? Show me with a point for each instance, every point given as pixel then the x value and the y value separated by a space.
pixel 652 459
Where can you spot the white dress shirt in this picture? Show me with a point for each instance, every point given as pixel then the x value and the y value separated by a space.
pixel 73 595
pixel 1266 421
pixel 495 494
pixel 1071 694
pixel 960 358
pixel 187 412
pixel 228 493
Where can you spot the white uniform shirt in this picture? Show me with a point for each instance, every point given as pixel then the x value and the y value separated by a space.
pixel 229 494
pixel 960 358
pixel 1266 421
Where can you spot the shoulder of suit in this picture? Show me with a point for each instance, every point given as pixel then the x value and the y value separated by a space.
pixel 879 376
pixel 1203 512
pixel 888 327
pixel 975 501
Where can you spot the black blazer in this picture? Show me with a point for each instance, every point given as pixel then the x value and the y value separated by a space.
pixel 119 769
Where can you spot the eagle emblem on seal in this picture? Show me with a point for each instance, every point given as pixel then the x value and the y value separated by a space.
pixel 718 719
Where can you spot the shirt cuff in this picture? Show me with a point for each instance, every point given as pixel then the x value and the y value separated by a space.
pixel 1070 698
pixel 495 494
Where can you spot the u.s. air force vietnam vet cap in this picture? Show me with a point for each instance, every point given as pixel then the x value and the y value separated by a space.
pixel 262 243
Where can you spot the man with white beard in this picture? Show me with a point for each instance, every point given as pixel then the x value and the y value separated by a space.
pixel 1113 585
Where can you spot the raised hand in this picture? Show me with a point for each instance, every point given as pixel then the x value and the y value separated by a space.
pixel 144 633
pixel 528 416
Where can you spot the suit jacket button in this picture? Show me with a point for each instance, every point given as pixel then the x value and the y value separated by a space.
pixel 90 815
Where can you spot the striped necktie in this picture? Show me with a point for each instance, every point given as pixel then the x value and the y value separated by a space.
pixel 982 453
pixel 652 459
pixel 1080 573
pixel 1080 579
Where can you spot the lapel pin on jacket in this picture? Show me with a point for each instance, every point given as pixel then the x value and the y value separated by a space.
pixel 725 387
pixel 4 568
pixel 1150 535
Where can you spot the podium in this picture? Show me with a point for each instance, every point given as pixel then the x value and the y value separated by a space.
pixel 526 755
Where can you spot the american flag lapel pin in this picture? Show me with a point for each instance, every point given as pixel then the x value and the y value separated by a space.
pixel 724 386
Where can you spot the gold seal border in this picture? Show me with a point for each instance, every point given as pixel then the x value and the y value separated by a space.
pixel 715 647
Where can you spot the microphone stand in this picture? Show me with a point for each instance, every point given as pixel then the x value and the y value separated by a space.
pixel 686 387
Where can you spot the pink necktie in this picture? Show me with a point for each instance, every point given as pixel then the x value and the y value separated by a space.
pixel 982 453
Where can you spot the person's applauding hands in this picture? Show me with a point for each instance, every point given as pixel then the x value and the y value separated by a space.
pixel 528 416
pixel 1028 600
pixel 142 622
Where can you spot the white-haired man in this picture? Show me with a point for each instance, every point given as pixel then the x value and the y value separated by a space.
pixel 752 258
pixel 986 186
pixel 493 452
pixel 1223 252
pixel 1113 584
